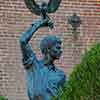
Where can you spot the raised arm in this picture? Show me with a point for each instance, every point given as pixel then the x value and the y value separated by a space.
pixel 26 36
pixel 27 52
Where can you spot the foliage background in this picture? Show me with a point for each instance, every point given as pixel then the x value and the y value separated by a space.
pixel 84 81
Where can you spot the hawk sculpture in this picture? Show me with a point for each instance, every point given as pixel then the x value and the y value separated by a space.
pixel 44 8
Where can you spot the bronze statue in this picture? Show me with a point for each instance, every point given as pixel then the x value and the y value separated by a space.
pixel 43 77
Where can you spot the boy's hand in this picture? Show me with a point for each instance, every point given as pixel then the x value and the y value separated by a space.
pixel 47 22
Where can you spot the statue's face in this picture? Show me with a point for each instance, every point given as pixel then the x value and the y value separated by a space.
pixel 56 51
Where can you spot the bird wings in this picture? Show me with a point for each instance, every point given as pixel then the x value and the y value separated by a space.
pixel 35 8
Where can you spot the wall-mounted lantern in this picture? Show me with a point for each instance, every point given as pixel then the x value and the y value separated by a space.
pixel 75 22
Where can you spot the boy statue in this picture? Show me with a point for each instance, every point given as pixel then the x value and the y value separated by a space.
pixel 43 78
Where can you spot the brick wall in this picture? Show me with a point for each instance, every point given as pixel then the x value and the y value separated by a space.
pixel 16 18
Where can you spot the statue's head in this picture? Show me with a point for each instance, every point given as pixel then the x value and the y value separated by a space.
pixel 51 45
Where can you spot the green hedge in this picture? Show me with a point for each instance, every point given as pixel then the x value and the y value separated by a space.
pixel 2 98
pixel 84 81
